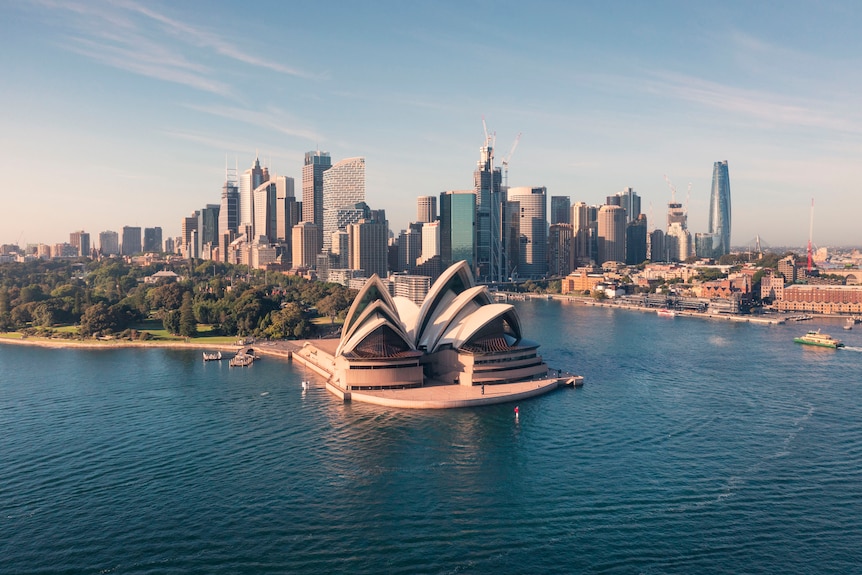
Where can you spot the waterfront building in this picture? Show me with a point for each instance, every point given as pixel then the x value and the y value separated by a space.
pixel 316 163
pixel 152 239
pixel 305 245
pixel 611 234
pixel 426 209
pixel 821 299
pixel 583 279
pixel 719 209
pixel 131 241
pixel 561 210
pixel 533 258
pixel 458 334
pixel 787 267
pixel 249 181
pixel 343 186
pixel 81 241
pixel 109 243
pixel 458 227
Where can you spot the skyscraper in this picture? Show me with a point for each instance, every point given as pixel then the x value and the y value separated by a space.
pixel 207 230
pixel 636 240
pixel 631 202
pixel 109 243
pixel 153 239
pixel 584 230
pixel 81 241
pixel 131 240
pixel 248 183
pixel 533 259
pixel 611 234
pixel 229 211
pixel 487 184
pixel 316 163
pixel 426 208
pixel 561 210
pixel 719 208
pixel 458 227
pixel 343 185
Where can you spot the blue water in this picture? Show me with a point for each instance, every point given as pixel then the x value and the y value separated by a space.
pixel 694 447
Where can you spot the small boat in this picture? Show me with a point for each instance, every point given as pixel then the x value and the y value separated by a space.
pixel 666 312
pixel 814 337
pixel 849 323
pixel 212 356
pixel 241 360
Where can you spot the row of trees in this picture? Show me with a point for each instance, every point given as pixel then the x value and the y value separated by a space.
pixel 109 296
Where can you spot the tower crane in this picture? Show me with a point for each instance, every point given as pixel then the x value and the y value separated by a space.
pixel 506 159
pixel 672 189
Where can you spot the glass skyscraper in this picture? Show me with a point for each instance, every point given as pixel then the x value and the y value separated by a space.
pixel 719 208
pixel 458 228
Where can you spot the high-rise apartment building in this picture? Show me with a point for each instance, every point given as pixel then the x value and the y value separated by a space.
pixel 81 241
pixel 426 209
pixel 343 185
pixel 458 228
pixel 249 181
pixel 719 208
pixel 561 210
pixel 611 234
pixel 316 163
pixel 131 241
pixel 109 243
pixel 560 249
pixel 368 241
pixel 533 258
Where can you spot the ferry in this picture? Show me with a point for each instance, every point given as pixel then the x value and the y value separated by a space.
pixel 819 339
pixel 665 312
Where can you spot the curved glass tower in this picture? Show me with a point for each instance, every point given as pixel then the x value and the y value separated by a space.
pixel 719 209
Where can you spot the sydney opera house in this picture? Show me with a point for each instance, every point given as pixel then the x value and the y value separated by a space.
pixel 459 335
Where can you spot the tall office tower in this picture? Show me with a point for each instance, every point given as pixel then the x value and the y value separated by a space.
pixel 109 243
pixel 287 212
pixel 153 239
pixel 585 232
pixel 706 246
pixel 487 184
pixel 611 234
pixel 409 247
pixel 188 227
pixel 636 240
pixel 430 241
pixel 228 214
pixel 343 185
pixel 677 241
pixel 561 210
pixel 316 163
pixel 631 202
pixel 458 228
pixel 207 230
pixel 265 217
pixel 719 208
pixel 511 226
pixel 560 249
pixel 305 244
pixel 533 258
pixel 368 244
pixel 131 241
pixel 249 181
pixel 340 249
pixel 426 209
pixel 169 245
pixel 81 241
pixel 656 249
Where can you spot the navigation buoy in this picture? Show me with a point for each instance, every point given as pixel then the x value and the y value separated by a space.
pixel 304 385
pixel 516 413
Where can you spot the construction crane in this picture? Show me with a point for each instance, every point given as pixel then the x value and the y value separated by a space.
pixel 672 189
pixel 810 235
pixel 506 159
pixel 687 198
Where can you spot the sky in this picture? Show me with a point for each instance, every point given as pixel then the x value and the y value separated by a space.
pixel 121 112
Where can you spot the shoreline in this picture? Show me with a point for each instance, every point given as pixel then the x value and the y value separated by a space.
pixel 114 344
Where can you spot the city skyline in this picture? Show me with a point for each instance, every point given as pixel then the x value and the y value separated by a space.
pixel 135 110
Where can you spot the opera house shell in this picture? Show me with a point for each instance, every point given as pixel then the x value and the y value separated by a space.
pixel 459 335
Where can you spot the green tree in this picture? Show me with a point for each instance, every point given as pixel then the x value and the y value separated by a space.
pixel 171 321
pixel 188 325
pixel 96 319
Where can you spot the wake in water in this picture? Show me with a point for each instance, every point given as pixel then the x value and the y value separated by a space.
pixel 848 348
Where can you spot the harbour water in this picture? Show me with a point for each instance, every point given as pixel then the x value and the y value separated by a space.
pixel 694 447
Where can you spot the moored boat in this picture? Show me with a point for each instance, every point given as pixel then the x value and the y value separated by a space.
pixel 814 337
pixel 666 312
pixel 212 356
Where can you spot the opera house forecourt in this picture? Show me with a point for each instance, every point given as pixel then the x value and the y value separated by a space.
pixel 459 348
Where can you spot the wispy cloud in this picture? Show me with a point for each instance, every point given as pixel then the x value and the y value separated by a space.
pixel 273 119
pixel 136 38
